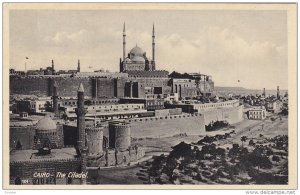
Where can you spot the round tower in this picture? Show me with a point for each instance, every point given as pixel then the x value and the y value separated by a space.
pixel 119 135
pixel 94 140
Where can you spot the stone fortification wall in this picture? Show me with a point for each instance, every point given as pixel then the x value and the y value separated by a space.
pixel 113 157
pixel 70 135
pixel 25 170
pixel 231 115
pixel 191 124
pixel 168 112
pixel 29 86
pixel 94 87
pixel 67 87
pixel 25 135
pixel 105 87
pixel 154 74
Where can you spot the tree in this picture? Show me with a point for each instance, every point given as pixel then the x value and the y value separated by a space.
pixel 251 143
pixel 157 166
pixel 243 139
pixel 275 158
pixel 220 152
pixel 181 150
pixel 257 159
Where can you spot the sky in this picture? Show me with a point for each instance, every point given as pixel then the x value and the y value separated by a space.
pixel 231 45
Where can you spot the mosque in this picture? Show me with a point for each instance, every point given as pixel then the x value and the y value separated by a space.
pixel 136 59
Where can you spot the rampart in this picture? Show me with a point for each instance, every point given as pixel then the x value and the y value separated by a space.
pixel 231 115
pixel 25 136
pixel 25 170
pixel 112 157
pixel 93 86
pixel 191 124
pixel 154 74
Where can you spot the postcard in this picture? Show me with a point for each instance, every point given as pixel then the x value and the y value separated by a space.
pixel 149 96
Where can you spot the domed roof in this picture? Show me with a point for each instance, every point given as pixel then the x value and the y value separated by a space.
pixel 127 60
pixel 137 51
pixel 138 59
pixel 46 124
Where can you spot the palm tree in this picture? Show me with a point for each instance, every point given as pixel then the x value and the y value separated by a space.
pixel 243 139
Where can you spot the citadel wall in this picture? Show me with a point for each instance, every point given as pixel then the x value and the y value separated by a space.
pixel 231 115
pixel 29 86
pixel 25 135
pixel 112 157
pixel 26 169
pixel 94 87
pixel 191 124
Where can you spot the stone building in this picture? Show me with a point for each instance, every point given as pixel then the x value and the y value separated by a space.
pixel 137 59
pixel 46 131
pixel 256 114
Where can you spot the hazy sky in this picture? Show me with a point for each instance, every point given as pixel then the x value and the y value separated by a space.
pixel 250 46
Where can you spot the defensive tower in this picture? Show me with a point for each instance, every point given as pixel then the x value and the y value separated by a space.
pixel 119 135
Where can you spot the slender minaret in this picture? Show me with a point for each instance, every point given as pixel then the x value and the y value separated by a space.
pixel 80 112
pixel 52 65
pixel 264 92
pixel 278 93
pixel 153 47
pixel 124 42
pixel 55 100
pixel 78 66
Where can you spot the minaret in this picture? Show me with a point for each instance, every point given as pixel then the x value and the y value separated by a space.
pixel 52 66
pixel 264 92
pixel 55 100
pixel 80 112
pixel 78 66
pixel 278 93
pixel 153 48
pixel 124 42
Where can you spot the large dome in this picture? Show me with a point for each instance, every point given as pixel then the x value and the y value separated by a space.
pixel 137 51
pixel 138 59
pixel 46 124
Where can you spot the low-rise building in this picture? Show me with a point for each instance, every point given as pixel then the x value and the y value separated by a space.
pixel 150 104
pixel 274 106
pixel 193 106
pixel 256 114
pixel 31 106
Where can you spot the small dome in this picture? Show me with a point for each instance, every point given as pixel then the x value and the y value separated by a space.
pixel 46 124
pixel 137 51
pixel 127 60
pixel 138 59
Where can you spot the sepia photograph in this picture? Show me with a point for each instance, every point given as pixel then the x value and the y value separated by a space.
pixel 149 96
